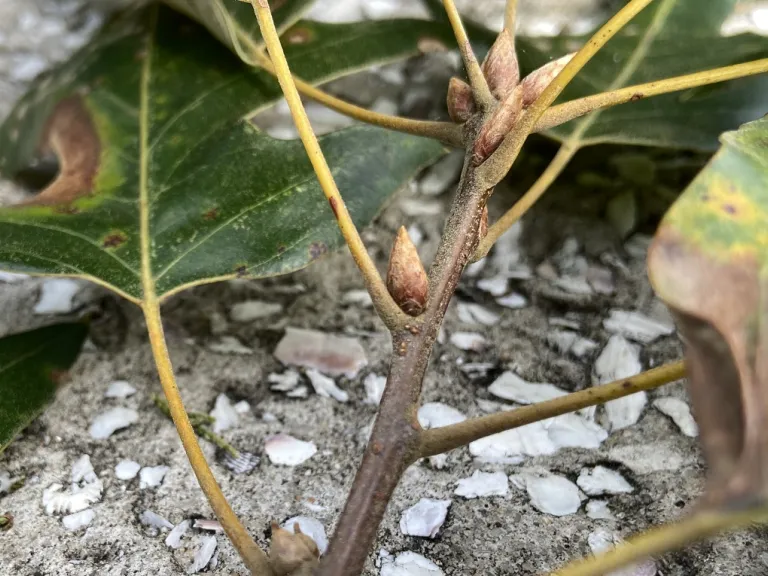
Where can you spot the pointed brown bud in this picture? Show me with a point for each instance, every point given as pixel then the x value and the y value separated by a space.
pixel 291 554
pixel 406 278
pixel 461 103
pixel 538 80
pixel 498 126
pixel 500 66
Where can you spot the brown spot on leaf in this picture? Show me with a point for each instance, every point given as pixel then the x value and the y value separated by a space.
pixel 241 270
pixel 71 135
pixel 211 214
pixel 114 240
pixel 59 377
pixel 65 209
pixel 297 36
pixel 729 209
pixel 282 248
pixel 637 96
pixel 317 249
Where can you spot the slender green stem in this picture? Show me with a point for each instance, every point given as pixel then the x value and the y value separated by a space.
pixel 385 306
pixel 439 440
pixel 483 97
pixel 704 524
pixel 518 210
pixel 575 108
pixel 493 170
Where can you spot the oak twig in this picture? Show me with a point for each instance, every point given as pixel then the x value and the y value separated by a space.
pixel 493 170
pixel 385 306
pixel 483 97
pixel 439 440
pixel 700 525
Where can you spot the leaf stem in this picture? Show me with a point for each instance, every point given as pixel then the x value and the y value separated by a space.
pixel 446 132
pixel 567 111
pixel 518 210
pixel 252 555
pixel 497 166
pixel 385 306
pixel 439 440
pixel 480 89
pixel 698 526
pixel 510 16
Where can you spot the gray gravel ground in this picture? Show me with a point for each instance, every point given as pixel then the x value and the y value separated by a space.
pixel 500 535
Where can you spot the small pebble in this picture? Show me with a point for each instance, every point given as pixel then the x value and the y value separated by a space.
pixel 620 359
pixel 107 423
pixel 437 414
pixel 127 469
pixel 286 450
pixel 119 389
pixel 601 480
pixel 224 414
pixel 598 510
pixel 78 520
pixel 326 353
pixel 496 286
pixel 636 326
pixel 374 388
pixel 149 518
pixel 680 413
pixel 326 387
pixel 408 564
pixel 553 494
pixel 514 301
pixel 476 315
pixel 482 484
pixel 173 540
pixel 425 518
pixel 251 310
pixel 57 296
pixel 230 345
pixel 468 341
pixel 152 476
pixel 510 386
pixel 203 554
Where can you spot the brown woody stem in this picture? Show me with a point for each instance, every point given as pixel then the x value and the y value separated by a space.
pixel 439 440
pixel 703 524
pixel 396 437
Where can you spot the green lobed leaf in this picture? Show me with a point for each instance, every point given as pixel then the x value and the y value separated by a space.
pixel 668 38
pixel 166 108
pixel 32 364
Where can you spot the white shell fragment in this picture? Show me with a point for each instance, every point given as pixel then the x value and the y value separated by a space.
pixel 152 476
pixel 408 564
pixel 680 413
pixel 602 540
pixel 86 489
pixel 326 353
pixel 637 326
pixel 312 528
pixel 476 315
pixel 78 520
pixel 12 277
pixel 495 286
pixel 154 520
pixel 510 386
pixel 119 389
pixel 374 388
pixel 284 382
pixel 173 540
pixel 251 310
pixel 620 359
pixel 107 423
pixel 360 298
pixel 601 480
pixel 514 301
pixel 229 345
pixel 482 484
pixel 127 469
pixel 552 494
pixel 203 554
pixel 425 518
pixel 437 414
pixel 224 414
pixel 469 341
pixel 444 172
pixel 56 296
pixel 598 510
pixel 209 525
pixel 286 450
pixel 326 387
